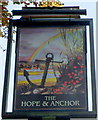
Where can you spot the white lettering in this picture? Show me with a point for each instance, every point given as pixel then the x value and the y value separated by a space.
pixel 30 103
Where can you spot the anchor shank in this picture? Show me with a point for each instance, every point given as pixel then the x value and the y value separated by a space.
pixel 48 60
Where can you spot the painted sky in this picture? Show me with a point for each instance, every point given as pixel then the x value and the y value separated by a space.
pixel 40 41
pixel 35 43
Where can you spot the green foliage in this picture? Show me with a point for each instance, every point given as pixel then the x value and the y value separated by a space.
pixel 72 40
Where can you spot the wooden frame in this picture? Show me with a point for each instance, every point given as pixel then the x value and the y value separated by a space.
pixel 35 113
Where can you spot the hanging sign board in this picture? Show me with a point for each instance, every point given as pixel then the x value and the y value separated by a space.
pixel 52 71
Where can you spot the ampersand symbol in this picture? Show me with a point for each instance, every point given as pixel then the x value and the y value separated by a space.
pixel 45 103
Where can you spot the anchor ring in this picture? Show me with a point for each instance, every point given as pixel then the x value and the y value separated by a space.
pixel 50 55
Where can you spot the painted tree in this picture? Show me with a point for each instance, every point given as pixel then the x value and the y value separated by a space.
pixel 72 40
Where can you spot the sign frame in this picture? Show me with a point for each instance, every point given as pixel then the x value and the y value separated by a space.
pixel 26 22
